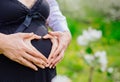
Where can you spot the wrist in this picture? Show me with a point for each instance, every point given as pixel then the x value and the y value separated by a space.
pixel 2 40
pixel 68 34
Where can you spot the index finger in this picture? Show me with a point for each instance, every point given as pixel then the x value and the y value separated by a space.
pixel 54 47
pixel 34 52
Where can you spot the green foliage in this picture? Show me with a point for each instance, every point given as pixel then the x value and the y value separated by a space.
pixel 73 65
pixel 73 26
pixel 111 30
pixel 89 50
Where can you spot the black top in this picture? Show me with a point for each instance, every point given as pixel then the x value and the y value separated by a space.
pixel 13 12
pixel 15 15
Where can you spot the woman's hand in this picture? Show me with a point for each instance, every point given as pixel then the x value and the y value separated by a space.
pixel 18 48
pixel 60 42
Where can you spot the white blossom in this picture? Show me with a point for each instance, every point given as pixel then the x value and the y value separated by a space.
pixel 110 70
pixel 60 78
pixel 82 41
pixel 102 59
pixel 94 34
pixel 89 58
pixel 103 67
pixel 88 36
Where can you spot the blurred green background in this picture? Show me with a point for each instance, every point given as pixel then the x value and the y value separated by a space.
pixel 102 15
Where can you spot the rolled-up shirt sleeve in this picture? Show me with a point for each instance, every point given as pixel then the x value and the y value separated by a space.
pixel 56 20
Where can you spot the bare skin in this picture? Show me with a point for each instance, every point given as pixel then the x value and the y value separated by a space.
pixel 60 42
pixel 18 47
pixel 28 3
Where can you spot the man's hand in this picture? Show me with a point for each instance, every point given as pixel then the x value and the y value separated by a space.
pixel 60 42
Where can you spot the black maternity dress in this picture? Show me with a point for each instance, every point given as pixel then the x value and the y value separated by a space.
pixel 16 17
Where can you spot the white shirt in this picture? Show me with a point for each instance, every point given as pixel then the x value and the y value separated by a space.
pixel 56 21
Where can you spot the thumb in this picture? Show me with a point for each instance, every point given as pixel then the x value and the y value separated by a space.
pixel 34 37
pixel 47 36
pixel 26 35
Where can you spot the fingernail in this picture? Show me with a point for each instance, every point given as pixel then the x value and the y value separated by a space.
pixel 43 67
pixel 36 69
pixel 50 66
pixel 47 65
pixel 54 66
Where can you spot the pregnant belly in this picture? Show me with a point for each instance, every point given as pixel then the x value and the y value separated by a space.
pixel 8 67
pixel 42 45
